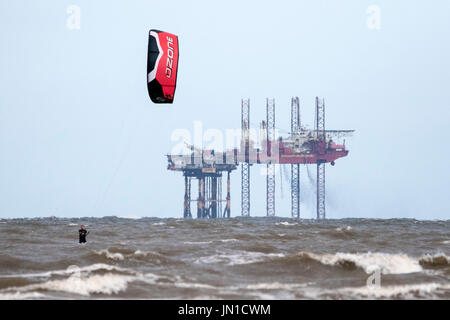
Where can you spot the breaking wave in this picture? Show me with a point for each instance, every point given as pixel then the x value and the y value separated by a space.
pixel 197 242
pixel 110 255
pixel 209 242
pixel 97 267
pixel 343 229
pixel 369 262
pixel 285 223
pixel 237 257
pixel 407 291
pixel 116 254
pixel 436 260
pixel 21 296
pixel 86 281
pixel 105 284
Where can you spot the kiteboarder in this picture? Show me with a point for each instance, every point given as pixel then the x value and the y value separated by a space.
pixel 83 233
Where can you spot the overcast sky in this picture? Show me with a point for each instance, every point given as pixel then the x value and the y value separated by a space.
pixel 80 137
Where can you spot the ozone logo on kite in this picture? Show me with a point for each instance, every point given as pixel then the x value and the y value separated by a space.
pixel 162 66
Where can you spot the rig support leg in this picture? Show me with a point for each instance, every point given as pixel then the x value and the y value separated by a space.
pixel 295 168
pixel 214 197
pixel 270 140
pixel 245 189
pixel 227 207
pixel 187 197
pixel 295 190
pixel 201 197
pixel 320 190
pixel 270 190
pixel 245 166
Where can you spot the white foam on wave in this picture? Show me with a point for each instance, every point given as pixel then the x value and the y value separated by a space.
pixel 145 253
pixel 132 217
pixel 72 224
pixel 341 229
pixel 117 256
pixel 258 291
pixel 446 242
pixel 209 242
pixel 69 271
pixel 408 291
pixel 100 284
pixel 141 253
pixel 158 224
pixel 237 257
pixel 85 286
pixel 371 262
pixel 21 296
pixel 197 242
pixel 80 283
pixel 275 286
pixel 194 285
pixel 285 223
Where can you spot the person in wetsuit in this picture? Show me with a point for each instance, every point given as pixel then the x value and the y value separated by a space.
pixel 83 233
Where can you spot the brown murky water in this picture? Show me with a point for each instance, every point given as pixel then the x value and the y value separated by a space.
pixel 239 258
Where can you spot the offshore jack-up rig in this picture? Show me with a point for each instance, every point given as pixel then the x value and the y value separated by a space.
pixel 301 146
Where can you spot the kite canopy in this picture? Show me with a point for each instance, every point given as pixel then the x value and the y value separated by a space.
pixel 162 66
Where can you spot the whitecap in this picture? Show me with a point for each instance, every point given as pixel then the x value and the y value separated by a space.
pixel 140 253
pixel 237 257
pixel 285 223
pixel 106 284
pixel 81 284
pixel 117 256
pixel 347 228
pixel 407 291
pixel 229 240
pixel 275 286
pixel 21 296
pixel 194 285
pixel 70 270
pixel 197 242
pixel 371 262
pixel 132 217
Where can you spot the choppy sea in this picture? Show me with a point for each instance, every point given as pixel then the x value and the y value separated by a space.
pixel 238 258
